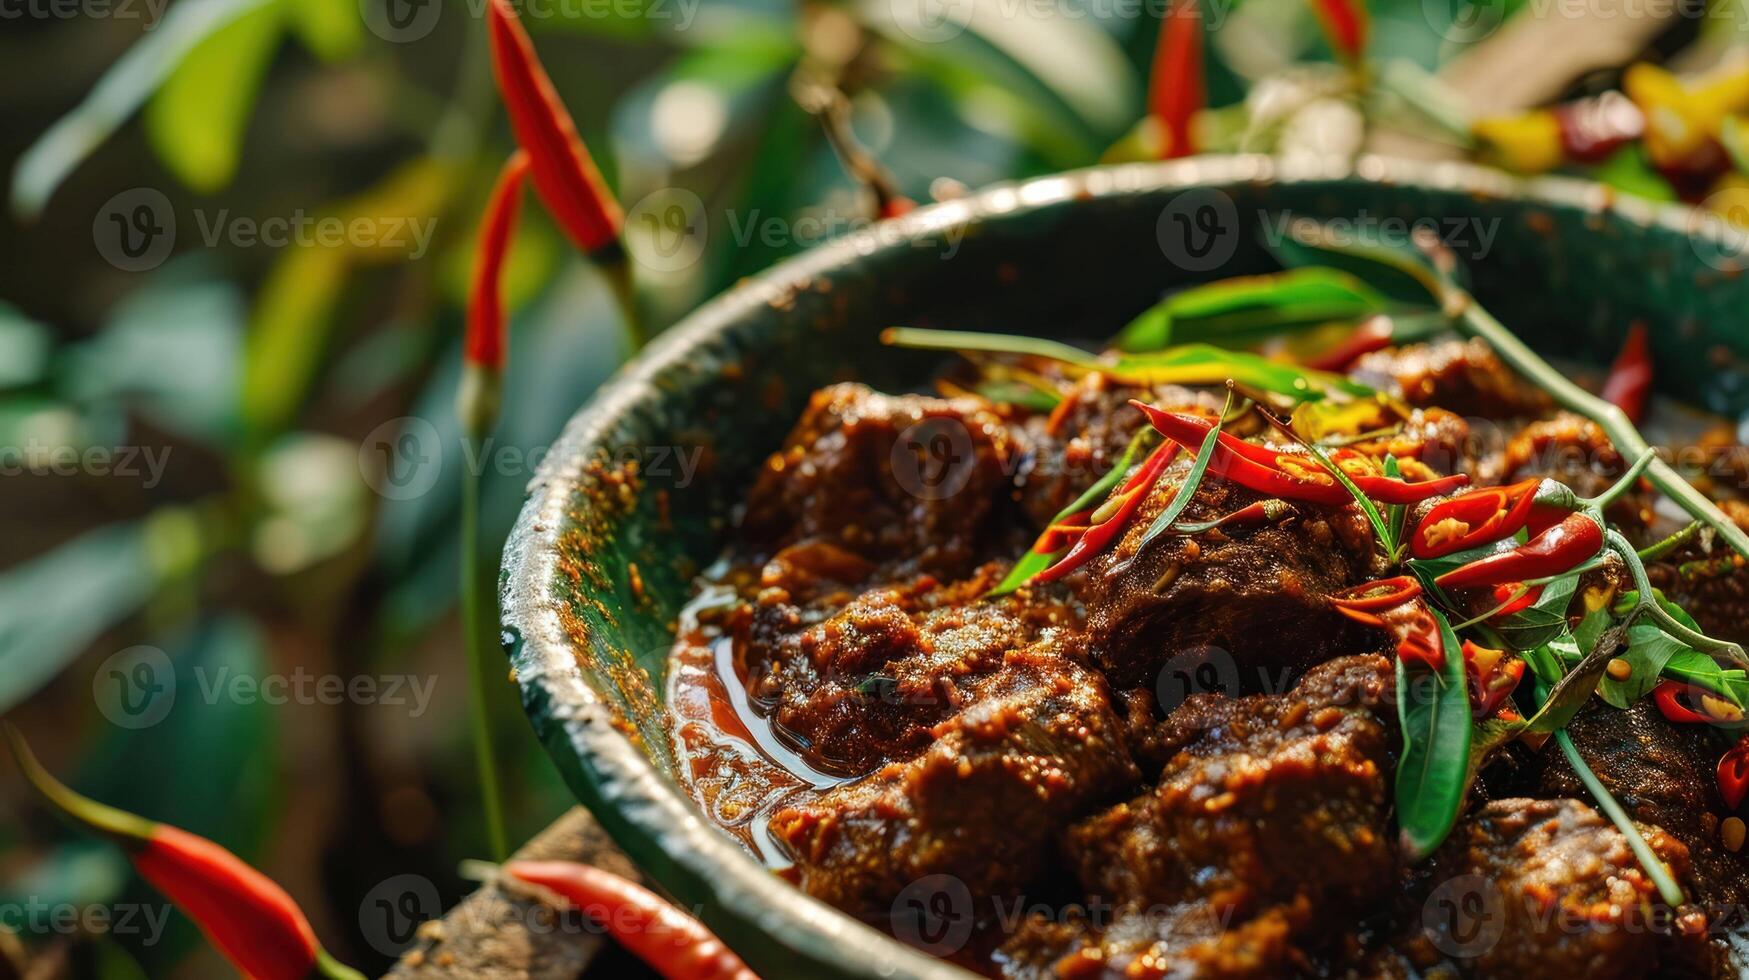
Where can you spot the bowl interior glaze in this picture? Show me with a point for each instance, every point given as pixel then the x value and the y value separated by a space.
pixel 604 554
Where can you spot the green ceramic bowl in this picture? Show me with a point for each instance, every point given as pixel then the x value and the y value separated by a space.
pixel 604 555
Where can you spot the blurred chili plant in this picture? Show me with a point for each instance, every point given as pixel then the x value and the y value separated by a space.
pixel 298 393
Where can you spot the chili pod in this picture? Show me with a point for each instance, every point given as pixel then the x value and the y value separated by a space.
pixel 1111 517
pixel 486 343
pixel 1365 601
pixel 1175 86
pixel 1733 774
pixel 1493 676
pixel 1471 519
pixel 1417 634
pixel 1558 549
pixel 1630 377
pixel 670 942
pixel 245 914
pixel 564 174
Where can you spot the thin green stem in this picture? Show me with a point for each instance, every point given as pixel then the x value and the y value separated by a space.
pixel 1671 543
pixel 1646 604
pixel 618 271
pixel 1625 483
pixel 1660 875
pixel 477 636
pixel 1612 420
pixel 994 343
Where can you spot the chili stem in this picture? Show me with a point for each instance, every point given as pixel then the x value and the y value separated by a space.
pixel 625 293
pixel 1519 593
pixel 1646 604
pixel 478 635
pixel 1667 887
pixel 1477 322
pixel 1671 543
pixel 1624 484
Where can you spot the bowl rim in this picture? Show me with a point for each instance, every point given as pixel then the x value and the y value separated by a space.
pixel 628 795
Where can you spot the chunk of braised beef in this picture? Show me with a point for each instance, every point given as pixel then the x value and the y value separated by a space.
pixel 1265 800
pixel 1461 376
pixel 1253 597
pixel 1663 775
pixel 1152 944
pixel 1573 450
pixel 1036 745
pixel 906 479
pixel 1540 888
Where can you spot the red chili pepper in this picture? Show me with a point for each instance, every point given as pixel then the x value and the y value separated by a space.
pixel 1592 129
pixel 1417 633
pixel 1472 519
pixel 1288 475
pixel 249 918
pixel 897 206
pixel 1668 696
pixel 1630 377
pixel 1363 602
pixel 485 341
pixel 1734 774
pixel 1556 550
pixel 1525 597
pixel 1372 334
pixel 1111 517
pixel 1175 90
pixel 670 942
pixel 1346 26
pixel 1493 677
pixel 564 174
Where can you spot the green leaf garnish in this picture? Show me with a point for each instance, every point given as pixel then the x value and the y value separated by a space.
pixel 1203 364
pixel 1245 309
pixel 1434 708
pixel 960 341
pixel 1192 480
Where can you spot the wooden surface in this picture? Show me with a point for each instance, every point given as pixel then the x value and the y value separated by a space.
pixel 493 935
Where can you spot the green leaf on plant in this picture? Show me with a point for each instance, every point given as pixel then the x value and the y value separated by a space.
pixel 1239 311
pixel 1434 707
pixel 1204 364
pixel 1649 649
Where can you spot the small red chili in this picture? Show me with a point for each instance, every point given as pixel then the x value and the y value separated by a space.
pixel 564 174
pixel 244 913
pixel 670 942
pixel 1630 377
pixel 1493 677
pixel 1346 26
pixel 1290 476
pixel 1592 129
pixel 1364 601
pixel 1472 519
pixel 1668 696
pixel 1734 774
pixel 1175 88
pixel 1372 334
pixel 1515 597
pixel 485 344
pixel 1556 550
pixel 1111 517
pixel 1417 634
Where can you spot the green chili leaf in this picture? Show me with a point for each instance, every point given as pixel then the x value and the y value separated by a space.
pixel 960 341
pixel 1192 481
pixel 1030 397
pixel 1566 695
pixel 1034 561
pixel 1696 669
pixel 1649 649
pixel 1204 364
pixel 1434 707
pixel 1396 515
pixel 1241 310
pixel 1538 624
